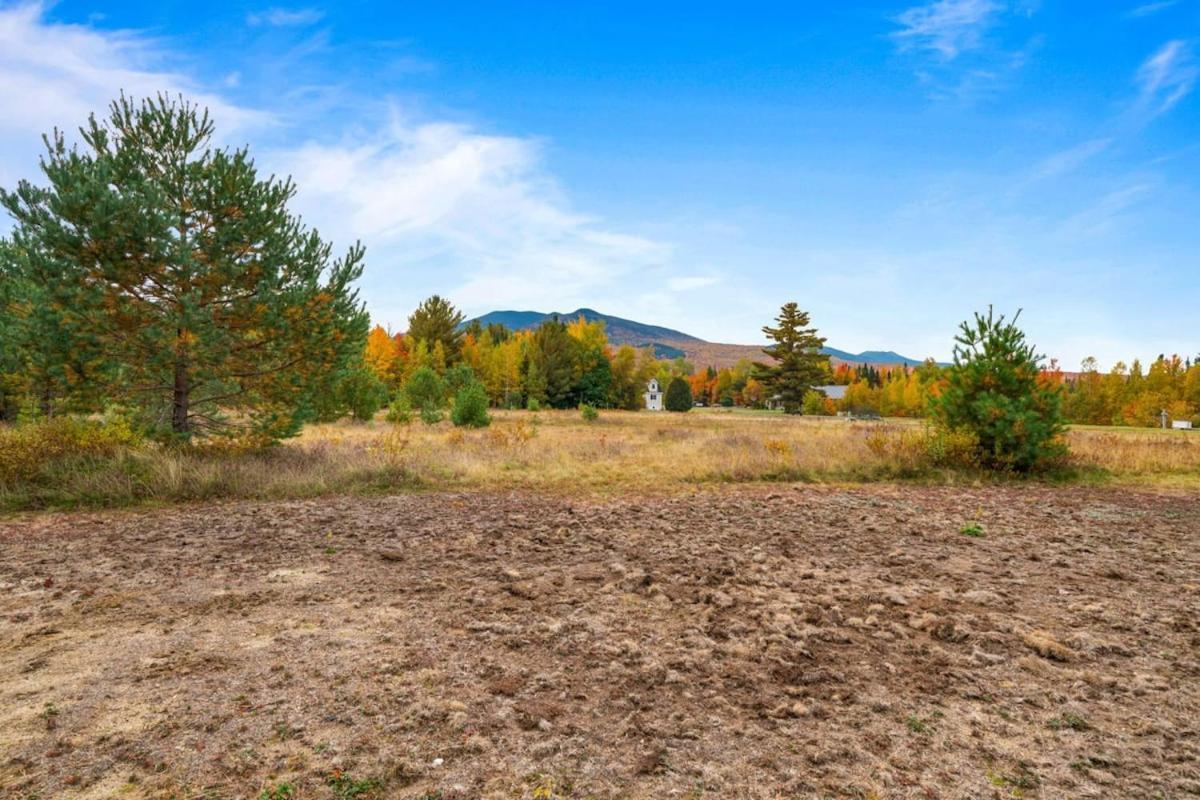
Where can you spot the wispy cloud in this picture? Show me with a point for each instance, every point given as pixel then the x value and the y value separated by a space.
pixel 285 17
pixel 1146 9
pixel 1166 77
pixel 54 75
pixel 1068 160
pixel 946 27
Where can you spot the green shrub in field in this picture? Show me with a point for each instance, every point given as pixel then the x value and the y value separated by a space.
pixel 25 449
pixel 533 405
pixel 679 395
pixel 361 392
pixel 471 407
pixel 588 412
pixel 993 393
pixel 427 391
pixel 400 410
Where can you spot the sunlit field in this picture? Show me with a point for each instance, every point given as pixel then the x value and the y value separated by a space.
pixel 559 451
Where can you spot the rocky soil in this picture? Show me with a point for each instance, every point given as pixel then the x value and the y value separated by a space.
pixel 880 642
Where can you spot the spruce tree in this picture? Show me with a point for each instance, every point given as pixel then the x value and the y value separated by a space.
pixel 799 363
pixel 215 309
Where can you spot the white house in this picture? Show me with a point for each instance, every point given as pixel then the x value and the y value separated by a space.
pixel 653 395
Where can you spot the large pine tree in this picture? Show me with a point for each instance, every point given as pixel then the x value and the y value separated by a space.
pixel 799 363
pixel 216 309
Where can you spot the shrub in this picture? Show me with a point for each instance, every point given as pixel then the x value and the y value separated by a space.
pixel 588 412
pixel 814 404
pixel 431 415
pixel 471 407
pixel 361 392
pixel 426 390
pixel 26 449
pixel 992 391
pixel 679 395
pixel 400 410
pixel 457 378
pixel 533 405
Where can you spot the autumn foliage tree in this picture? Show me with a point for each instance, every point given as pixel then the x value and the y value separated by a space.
pixel 215 309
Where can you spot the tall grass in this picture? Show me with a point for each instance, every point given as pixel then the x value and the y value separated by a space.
pixel 559 451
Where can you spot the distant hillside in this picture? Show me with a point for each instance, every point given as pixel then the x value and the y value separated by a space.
pixel 668 343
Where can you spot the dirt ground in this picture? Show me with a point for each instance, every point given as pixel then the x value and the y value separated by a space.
pixel 785 642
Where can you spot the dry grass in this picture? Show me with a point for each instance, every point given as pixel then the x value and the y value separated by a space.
pixel 559 451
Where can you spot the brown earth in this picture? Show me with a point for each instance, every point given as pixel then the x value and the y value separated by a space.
pixel 741 643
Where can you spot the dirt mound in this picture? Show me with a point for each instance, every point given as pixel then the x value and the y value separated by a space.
pixel 878 642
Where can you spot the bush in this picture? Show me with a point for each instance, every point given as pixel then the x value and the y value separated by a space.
pixel 426 390
pixel 994 394
pixel 679 395
pixel 400 410
pixel 533 405
pixel 26 449
pixel 362 393
pixel 814 404
pixel 471 407
pixel 588 412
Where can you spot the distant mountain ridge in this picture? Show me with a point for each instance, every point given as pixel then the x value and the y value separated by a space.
pixel 670 343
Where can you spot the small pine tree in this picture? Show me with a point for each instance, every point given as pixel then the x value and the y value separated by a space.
pixel 361 392
pixel 426 391
pixel 679 395
pixel 400 410
pixel 993 393
pixel 471 407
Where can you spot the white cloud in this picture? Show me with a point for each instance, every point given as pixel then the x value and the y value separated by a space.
pixel 285 17
pixel 477 211
pixel 55 75
pixel 1148 9
pixel 946 27
pixel 1166 77
pixel 1068 160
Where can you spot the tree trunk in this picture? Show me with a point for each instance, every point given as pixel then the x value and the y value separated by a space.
pixel 179 411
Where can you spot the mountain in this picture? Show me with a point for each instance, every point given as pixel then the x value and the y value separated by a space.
pixel 669 343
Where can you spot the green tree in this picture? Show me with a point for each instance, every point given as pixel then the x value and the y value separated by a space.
pixel 799 363
pixel 553 351
pixel 679 396
pixel 993 392
pixel 437 320
pixel 814 404
pixel 471 407
pixel 361 392
pixel 426 392
pixel 215 309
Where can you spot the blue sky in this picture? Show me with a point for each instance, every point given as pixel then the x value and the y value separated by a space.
pixel 890 166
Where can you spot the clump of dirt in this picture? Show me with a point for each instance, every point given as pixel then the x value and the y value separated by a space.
pixel 806 642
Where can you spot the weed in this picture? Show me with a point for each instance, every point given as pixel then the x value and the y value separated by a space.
pixel 49 715
pixel 972 529
pixel 283 791
pixel 347 788
pixel 916 724
pixel 1070 721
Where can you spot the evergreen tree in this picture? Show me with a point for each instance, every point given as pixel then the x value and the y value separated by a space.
pixel 993 392
pixel 679 396
pixel 437 320
pixel 554 353
pixel 187 272
pixel 799 364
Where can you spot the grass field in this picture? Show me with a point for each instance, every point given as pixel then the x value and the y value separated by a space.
pixel 559 451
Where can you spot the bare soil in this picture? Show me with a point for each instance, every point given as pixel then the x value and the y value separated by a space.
pixel 739 643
